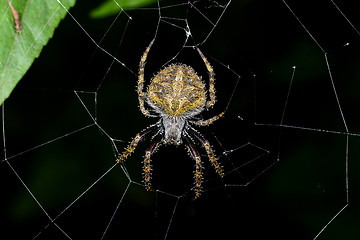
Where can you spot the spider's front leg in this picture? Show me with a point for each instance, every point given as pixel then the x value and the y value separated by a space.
pixel 133 144
pixel 210 152
pixel 198 175
pixel 147 161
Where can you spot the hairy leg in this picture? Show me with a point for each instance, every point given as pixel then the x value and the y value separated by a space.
pixel 140 86
pixel 133 144
pixel 198 175
pixel 147 161
pixel 210 152
pixel 209 121
pixel 211 81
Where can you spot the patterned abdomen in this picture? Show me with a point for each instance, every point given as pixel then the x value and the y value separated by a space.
pixel 176 90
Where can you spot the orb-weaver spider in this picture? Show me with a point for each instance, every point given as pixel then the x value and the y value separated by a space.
pixel 177 95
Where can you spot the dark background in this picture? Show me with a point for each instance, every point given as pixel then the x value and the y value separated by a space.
pixel 281 182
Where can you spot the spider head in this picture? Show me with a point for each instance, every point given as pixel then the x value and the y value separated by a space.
pixel 173 129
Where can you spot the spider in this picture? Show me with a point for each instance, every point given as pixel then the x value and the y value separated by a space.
pixel 176 95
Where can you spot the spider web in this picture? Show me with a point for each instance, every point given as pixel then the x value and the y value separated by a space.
pixel 286 72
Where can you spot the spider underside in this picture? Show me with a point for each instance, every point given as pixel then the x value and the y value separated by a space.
pixel 177 95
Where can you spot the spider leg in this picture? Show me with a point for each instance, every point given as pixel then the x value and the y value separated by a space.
pixel 147 161
pixel 210 152
pixel 209 121
pixel 140 86
pixel 198 175
pixel 210 103
pixel 140 136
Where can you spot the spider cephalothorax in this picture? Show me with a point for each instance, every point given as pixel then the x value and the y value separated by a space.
pixel 177 95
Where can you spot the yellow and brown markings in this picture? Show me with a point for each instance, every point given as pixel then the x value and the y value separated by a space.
pixel 177 89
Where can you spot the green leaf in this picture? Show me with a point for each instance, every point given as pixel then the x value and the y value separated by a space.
pixel 38 19
pixel 112 7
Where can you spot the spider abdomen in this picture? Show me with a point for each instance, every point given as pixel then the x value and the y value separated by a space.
pixel 177 90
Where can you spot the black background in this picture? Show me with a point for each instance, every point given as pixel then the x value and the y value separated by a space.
pixel 281 182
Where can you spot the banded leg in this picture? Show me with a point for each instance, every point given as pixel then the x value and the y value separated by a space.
pixel 210 152
pixel 209 121
pixel 147 162
pixel 133 144
pixel 140 86
pixel 218 168
pixel 212 100
pixel 198 174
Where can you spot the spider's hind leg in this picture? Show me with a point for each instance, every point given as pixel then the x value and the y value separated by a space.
pixel 211 73
pixel 140 85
